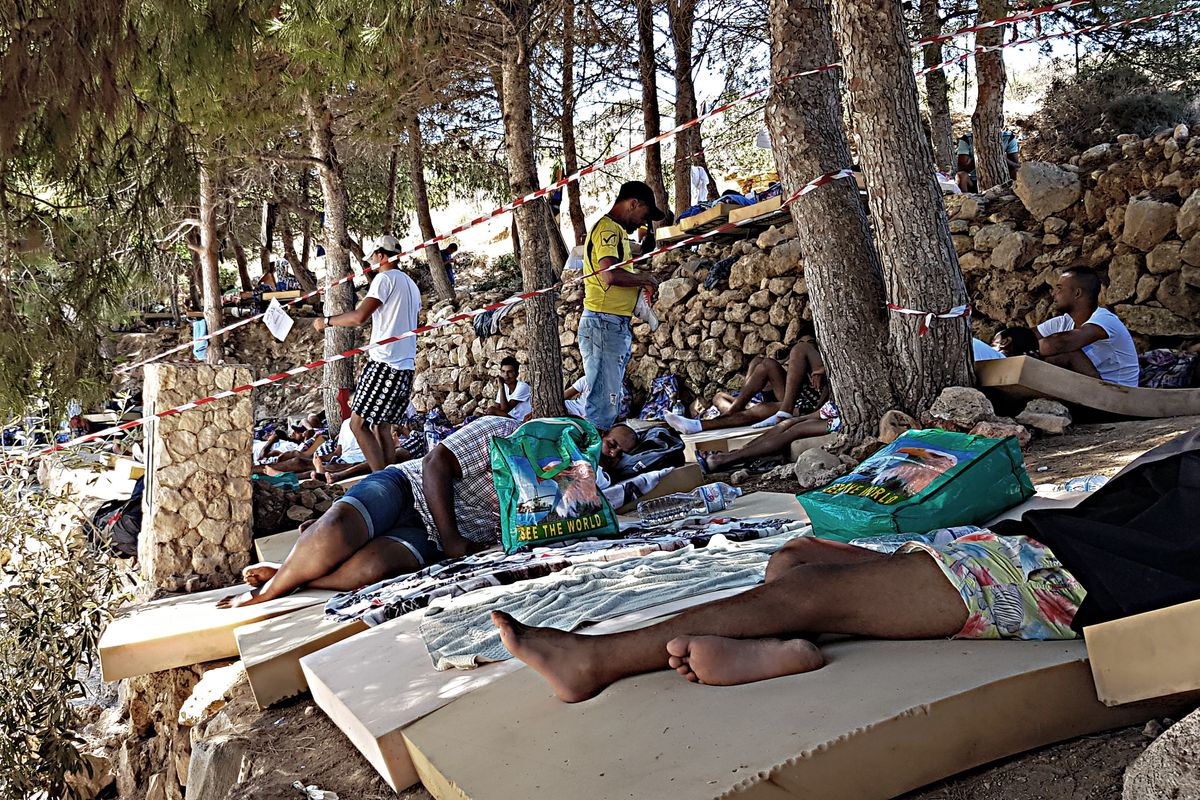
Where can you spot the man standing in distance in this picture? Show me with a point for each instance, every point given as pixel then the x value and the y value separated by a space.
pixel 605 332
pixel 382 392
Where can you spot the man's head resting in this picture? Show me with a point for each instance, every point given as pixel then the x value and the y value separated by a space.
pixel 617 441
pixel 1078 289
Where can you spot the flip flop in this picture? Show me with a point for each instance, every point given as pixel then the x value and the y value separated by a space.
pixel 702 461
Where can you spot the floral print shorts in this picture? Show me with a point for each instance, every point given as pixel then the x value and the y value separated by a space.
pixel 1013 586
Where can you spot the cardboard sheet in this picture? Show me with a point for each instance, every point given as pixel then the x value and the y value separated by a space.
pixel 721 441
pixel 275 548
pixel 680 479
pixel 185 629
pixel 1023 378
pixel 271 650
pixel 880 719
pixel 1155 654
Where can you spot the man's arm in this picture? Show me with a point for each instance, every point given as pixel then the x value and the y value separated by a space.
pixel 1072 340
pixel 622 277
pixel 351 319
pixel 438 473
pixel 505 403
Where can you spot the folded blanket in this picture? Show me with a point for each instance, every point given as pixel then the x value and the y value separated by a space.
pixel 461 635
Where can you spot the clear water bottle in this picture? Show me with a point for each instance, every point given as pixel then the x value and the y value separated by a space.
pixel 704 500
pixel 1084 483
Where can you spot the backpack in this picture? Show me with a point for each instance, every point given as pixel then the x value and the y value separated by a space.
pixel 117 524
pixel 657 448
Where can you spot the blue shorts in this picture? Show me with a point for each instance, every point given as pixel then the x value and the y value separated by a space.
pixel 384 500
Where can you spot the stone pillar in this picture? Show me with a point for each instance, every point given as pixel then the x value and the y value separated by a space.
pixel 196 529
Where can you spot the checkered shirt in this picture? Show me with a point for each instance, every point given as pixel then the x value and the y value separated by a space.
pixel 476 505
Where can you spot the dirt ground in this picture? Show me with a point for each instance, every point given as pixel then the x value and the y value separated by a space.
pixel 298 742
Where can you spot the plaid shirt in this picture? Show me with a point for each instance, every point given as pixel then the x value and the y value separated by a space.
pixel 476 505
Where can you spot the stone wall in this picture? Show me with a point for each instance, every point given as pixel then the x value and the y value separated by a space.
pixel 196 528
pixel 1126 208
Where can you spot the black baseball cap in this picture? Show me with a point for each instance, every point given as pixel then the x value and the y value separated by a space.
pixel 641 191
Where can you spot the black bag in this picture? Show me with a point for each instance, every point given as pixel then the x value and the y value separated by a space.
pixel 657 448
pixel 117 524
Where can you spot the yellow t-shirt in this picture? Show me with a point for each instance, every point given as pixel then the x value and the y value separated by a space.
pixel 607 239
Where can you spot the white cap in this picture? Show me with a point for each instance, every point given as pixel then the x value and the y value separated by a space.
pixel 387 243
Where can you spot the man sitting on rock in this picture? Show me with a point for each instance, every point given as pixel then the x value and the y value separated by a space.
pixel 403 518
pixel 798 388
pixel 1086 338
pixel 976 586
pixel 513 396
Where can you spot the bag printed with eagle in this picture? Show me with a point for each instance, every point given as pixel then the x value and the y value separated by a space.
pixel 545 475
pixel 925 480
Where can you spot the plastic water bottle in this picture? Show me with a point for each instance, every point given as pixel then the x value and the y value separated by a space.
pixel 1084 483
pixel 704 500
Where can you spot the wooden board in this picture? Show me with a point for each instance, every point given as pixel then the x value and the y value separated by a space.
pixel 759 209
pixel 880 719
pixel 290 294
pixel 1023 378
pixel 181 630
pixel 272 648
pixel 680 479
pixel 669 234
pixel 1155 654
pixel 275 548
pixel 707 219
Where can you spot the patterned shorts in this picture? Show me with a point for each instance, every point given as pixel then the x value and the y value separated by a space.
pixel 326 448
pixel 1013 586
pixel 381 396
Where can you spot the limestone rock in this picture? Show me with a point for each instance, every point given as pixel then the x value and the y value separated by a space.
pixel 1147 285
pixel 673 292
pixel 1190 252
pixel 1169 767
pixel 1013 252
pixel 1123 274
pixel 1147 222
pixel 1045 189
pixel 1048 416
pixel 1099 154
pixel 990 236
pixel 1154 321
pixel 970 207
pixel 893 424
pixel 1187 221
pixel 962 406
pixel 817 467
pixel 769 238
pixel 215 766
pixel 1001 430
pixel 1177 296
pixel 94 778
pixel 1164 258
pixel 211 693
pixel 299 513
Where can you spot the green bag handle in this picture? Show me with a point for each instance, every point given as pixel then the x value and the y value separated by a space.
pixel 566 456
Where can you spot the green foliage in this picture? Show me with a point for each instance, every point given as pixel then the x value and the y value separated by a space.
pixel 55 595
pixel 1097 103
pixel 505 274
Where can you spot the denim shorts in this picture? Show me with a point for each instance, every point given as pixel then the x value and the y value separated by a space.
pixel 384 500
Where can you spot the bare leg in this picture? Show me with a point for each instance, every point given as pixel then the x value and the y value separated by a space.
pixel 811 550
pixel 338 534
pixel 368 442
pixel 771 442
pixel 1076 361
pixel 804 366
pixel 334 475
pixel 738 419
pixel 387 443
pixel 763 372
pixel 378 560
pixel 902 597
pixel 723 402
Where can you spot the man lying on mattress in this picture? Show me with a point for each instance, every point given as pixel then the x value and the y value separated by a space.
pixel 404 517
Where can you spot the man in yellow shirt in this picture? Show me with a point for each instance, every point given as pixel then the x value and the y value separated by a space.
pixel 605 332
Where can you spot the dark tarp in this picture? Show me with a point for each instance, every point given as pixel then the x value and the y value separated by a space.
pixel 1135 543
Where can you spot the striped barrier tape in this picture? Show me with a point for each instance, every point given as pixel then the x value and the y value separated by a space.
pixel 928 317
pixel 620 156
pixel 516 299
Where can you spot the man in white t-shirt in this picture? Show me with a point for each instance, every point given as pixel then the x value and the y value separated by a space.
pixel 513 397
pixel 382 392
pixel 1086 338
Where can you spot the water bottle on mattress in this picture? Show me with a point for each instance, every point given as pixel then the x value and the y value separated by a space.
pixel 702 501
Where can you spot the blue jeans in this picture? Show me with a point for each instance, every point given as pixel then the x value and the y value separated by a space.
pixel 384 499
pixel 604 344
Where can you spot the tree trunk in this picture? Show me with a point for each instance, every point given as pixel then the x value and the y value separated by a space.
pixel 287 237
pixel 339 376
pixel 305 234
pixel 416 179
pixel 239 252
pixel 651 117
pixel 987 123
pixel 209 261
pixel 841 267
pixel 570 148
pixel 544 370
pixel 937 90
pixel 270 211
pixel 195 271
pixel 682 17
pixel 920 266
pixel 389 209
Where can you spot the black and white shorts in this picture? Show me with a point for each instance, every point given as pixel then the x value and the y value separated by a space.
pixel 382 393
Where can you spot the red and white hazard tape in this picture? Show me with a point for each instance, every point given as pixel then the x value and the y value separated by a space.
pixel 928 317
pixel 610 160
pixel 460 317
pixel 1047 37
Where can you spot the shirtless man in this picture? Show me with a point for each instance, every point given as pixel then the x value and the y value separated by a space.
pixel 805 372
pixel 813 586
pixel 403 518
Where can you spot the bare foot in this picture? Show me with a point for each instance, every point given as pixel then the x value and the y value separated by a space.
pixel 238 600
pixel 719 661
pixel 258 574
pixel 562 658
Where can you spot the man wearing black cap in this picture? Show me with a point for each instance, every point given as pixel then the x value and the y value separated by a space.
pixel 605 333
